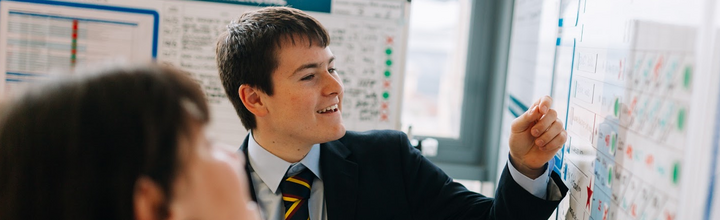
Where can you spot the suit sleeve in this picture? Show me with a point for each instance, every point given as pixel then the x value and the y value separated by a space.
pixel 434 195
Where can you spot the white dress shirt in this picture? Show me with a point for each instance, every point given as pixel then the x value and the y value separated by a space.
pixel 538 186
pixel 268 171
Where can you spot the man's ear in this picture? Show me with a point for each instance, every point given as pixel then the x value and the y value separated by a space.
pixel 251 98
pixel 148 199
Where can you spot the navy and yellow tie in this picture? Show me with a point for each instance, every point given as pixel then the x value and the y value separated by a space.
pixel 296 192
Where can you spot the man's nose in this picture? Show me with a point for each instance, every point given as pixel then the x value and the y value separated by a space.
pixel 332 84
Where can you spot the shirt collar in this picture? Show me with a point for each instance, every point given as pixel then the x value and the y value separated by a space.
pixel 271 168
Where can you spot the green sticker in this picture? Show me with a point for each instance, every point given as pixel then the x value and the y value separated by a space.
pixel 388 62
pixel 386 95
pixel 387 73
pixel 676 173
pixel 617 106
pixel 681 119
pixel 388 51
pixel 687 77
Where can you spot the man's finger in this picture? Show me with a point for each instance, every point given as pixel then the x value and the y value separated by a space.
pixel 544 104
pixel 544 123
pixel 556 143
pixel 549 134
pixel 525 120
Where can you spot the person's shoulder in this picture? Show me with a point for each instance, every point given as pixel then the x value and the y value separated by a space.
pixel 374 136
pixel 376 143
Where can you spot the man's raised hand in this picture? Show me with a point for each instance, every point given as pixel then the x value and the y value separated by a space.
pixel 535 138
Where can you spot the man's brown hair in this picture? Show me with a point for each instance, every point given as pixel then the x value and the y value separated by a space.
pixel 247 50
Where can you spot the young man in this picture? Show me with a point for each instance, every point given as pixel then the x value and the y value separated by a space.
pixel 280 75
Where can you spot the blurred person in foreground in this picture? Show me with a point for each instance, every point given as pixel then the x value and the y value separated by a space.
pixel 118 143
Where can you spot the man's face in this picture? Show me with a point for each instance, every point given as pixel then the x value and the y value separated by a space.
pixel 307 100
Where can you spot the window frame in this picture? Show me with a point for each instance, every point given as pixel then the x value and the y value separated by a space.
pixel 473 156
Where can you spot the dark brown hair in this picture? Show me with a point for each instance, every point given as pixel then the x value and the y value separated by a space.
pixel 247 51
pixel 74 149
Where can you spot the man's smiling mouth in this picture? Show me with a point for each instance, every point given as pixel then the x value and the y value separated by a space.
pixel 329 109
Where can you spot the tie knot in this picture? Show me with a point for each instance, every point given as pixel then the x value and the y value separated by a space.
pixel 298 185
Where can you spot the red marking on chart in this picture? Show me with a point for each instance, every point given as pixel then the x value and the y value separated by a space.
pixel 629 151
pixel 384 105
pixel 389 40
pixel 383 117
pixel 589 192
pixel 659 64
pixel 633 210
pixel 607 140
pixel 669 216
pixel 649 160
pixel 632 105
pixel 605 214
pixel 386 84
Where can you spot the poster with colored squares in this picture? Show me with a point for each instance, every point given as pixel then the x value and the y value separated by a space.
pixel 624 74
pixel 635 83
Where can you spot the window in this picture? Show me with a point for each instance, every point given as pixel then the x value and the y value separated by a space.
pixel 435 68
pixel 455 81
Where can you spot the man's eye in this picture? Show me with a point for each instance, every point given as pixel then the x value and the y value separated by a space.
pixel 308 77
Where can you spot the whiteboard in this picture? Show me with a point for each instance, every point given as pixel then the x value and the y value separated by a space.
pixel 635 83
pixel 368 39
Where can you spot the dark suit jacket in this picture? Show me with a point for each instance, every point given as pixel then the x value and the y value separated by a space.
pixel 379 175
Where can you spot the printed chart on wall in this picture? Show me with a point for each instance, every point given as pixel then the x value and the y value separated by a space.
pixel 39 38
pixel 624 73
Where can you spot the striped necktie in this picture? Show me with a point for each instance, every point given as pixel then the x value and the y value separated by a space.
pixel 296 192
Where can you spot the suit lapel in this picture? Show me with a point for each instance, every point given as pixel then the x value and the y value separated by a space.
pixel 248 168
pixel 340 179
